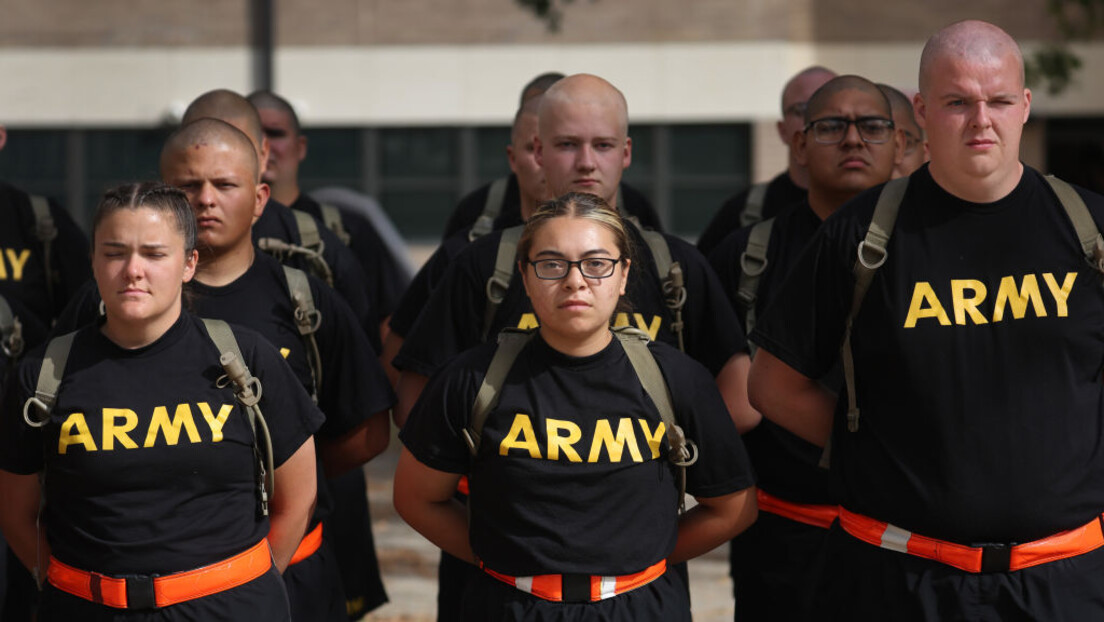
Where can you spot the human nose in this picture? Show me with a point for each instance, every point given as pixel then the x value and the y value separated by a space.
pixel 851 135
pixel 206 195
pixel 585 161
pixel 574 278
pixel 134 268
pixel 981 115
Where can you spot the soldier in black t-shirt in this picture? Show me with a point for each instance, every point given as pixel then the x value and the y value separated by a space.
pixel 26 232
pixel 211 160
pixel 569 519
pixel 915 151
pixel 967 450
pixel 152 463
pixel 789 186
pixel 849 145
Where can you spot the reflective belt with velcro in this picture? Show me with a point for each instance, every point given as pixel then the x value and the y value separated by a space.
pixel 816 515
pixel 309 546
pixel 580 588
pixel 991 558
pixel 147 592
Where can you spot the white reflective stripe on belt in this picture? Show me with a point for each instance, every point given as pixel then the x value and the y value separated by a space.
pixel 525 584
pixel 895 539
pixel 608 588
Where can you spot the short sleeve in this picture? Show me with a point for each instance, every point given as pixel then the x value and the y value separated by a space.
pixel 433 431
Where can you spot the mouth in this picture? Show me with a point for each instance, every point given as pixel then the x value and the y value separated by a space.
pixel 981 143
pixel 206 222
pixel 586 182
pixel 574 305
pixel 854 163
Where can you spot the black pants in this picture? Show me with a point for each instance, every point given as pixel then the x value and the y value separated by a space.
pixel 349 532
pixel 859 581
pixel 771 565
pixel 314 588
pixel 263 598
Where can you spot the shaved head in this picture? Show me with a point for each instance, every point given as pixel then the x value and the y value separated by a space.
pixel 207 131
pixel 226 105
pixel 538 85
pixel 902 107
pixel 973 40
pixel 845 83
pixel 587 91
pixel 803 83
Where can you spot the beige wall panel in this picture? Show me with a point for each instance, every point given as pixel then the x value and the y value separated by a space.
pixel 769 156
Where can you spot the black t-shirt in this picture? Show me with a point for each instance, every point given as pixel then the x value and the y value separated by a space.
pixel 471 206
pixel 22 270
pixel 278 221
pixel 785 464
pixel 781 193
pixel 452 321
pixel 149 465
pixel 426 280
pixel 978 355
pixel 594 505
pixel 385 280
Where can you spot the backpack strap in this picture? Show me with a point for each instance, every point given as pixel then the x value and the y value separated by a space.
pixel 11 331
pixel 871 255
pixel 1092 242
pixel 752 265
pixel 247 390
pixel 499 282
pixel 492 207
pixel 753 207
pixel 46 232
pixel 511 342
pixel 671 280
pixel 334 221
pixel 49 380
pixel 307 321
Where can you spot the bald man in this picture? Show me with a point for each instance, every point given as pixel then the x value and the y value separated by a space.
pixel 915 152
pixel 848 146
pixel 789 186
pixel 965 448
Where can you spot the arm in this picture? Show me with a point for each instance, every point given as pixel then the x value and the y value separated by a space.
pixel 733 383
pixel 712 522
pixel 424 498
pixel 292 502
pixel 790 399
pixel 410 389
pixel 357 446
pixel 19 517
pixel 391 346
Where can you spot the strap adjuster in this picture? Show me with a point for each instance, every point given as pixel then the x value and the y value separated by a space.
pixel 140 593
pixel 996 558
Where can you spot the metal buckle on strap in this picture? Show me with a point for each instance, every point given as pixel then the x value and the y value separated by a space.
pixel 996 557
pixel 140 591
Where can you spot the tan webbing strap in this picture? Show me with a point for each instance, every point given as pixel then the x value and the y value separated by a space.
pixel 671 280
pixel 49 380
pixel 752 264
pixel 46 232
pixel 309 237
pixel 282 251
pixel 1092 243
pixel 11 332
pixel 511 342
pixel 503 274
pixel 247 390
pixel 683 451
pixel 307 321
pixel 871 255
pixel 332 218
pixel 492 207
pixel 753 208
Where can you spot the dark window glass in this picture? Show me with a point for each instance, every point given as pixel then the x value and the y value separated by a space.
pixel 334 158
pixel 709 149
pixel 418 152
pixel 490 145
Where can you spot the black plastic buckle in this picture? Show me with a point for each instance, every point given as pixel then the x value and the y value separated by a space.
pixel 140 591
pixel 996 558
pixel 576 588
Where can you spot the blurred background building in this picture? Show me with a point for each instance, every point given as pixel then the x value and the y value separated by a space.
pixel 410 100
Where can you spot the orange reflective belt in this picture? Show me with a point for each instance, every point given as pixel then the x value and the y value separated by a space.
pixel 997 558
pixel 143 592
pixel 462 487
pixel 308 546
pixel 551 586
pixel 816 515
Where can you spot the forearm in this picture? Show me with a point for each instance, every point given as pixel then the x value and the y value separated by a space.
pixel 713 522
pixel 790 399
pixel 291 504
pixel 19 520
pixel 732 381
pixel 423 497
pixel 356 447
pixel 409 390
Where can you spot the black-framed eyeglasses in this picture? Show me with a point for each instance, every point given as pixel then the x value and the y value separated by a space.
pixel 831 130
pixel 912 141
pixel 590 267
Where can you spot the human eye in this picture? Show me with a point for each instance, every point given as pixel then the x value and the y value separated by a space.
pixel 564 144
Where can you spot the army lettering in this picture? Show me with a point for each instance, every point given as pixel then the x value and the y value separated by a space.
pixel 12 262
pixel 563 440
pixel 1012 299
pixel 119 427
pixel 529 320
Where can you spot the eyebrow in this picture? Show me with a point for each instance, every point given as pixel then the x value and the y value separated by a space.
pixel 124 245
pixel 557 254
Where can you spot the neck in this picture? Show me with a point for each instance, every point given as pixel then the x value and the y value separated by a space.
pixel 134 335
pixel 576 345
pixel 988 189
pixel 286 193
pixel 825 203
pixel 798 174
pixel 528 206
pixel 222 268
